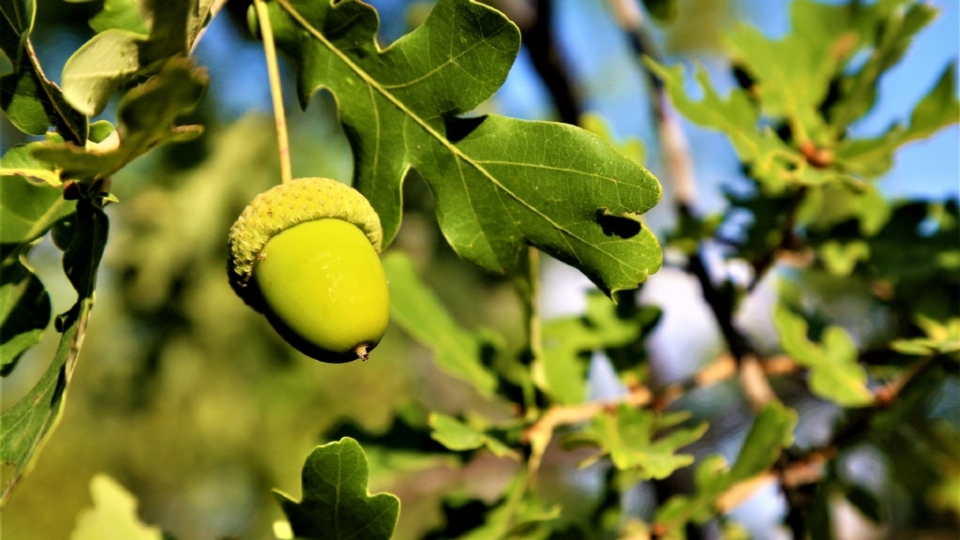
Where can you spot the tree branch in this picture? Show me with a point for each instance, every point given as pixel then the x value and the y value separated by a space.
pixel 536 27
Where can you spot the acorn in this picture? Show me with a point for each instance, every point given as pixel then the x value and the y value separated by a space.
pixel 306 254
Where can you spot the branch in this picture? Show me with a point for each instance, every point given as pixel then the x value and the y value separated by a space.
pixel 723 369
pixel 787 241
pixel 676 153
pixel 66 126
pixel 536 26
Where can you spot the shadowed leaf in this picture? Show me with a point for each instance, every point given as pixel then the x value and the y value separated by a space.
pixel 336 504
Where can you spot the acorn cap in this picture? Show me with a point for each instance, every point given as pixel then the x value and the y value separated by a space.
pixel 285 206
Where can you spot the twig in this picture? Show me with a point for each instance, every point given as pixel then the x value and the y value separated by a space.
pixel 214 10
pixel 723 369
pixel 786 242
pixel 537 35
pixel 70 131
pixel 276 90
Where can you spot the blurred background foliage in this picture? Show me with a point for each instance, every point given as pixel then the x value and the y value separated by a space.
pixel 188 399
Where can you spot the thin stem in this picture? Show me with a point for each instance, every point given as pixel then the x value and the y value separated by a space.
pixel 276 91
pixel 534 327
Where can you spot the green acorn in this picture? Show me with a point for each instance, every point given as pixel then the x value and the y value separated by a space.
pixel 306 255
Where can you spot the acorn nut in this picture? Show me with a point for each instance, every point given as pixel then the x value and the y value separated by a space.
pixel 305 254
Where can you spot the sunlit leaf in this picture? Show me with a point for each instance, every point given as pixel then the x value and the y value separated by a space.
pixel 121 15
pixel 874 156
pixel 942 338
pixel 770 159
pixel 629 435
pixel 336 504
pixel 498 182
pixel 98 68
pixel 834 371
pixel 33 103
pixel 459 436
pixel 29 209
pixel 561 373
pixel 19 161
pixel 16 23
pixel 772 431
pixel 146 119
pixel 113 516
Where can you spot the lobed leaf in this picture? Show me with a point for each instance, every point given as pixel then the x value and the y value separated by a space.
pixel 561 372
pixel 873 157
pixel 24 311
pixel 941 338
pixel 146 119
pixel 16 23
pixel 772 430
pixel 27 425
pixel 499 183
pixel 629 434
pixel 769 158
pixel 29 209
pixel 33 103
pixel 834 371
pixel 121 15
pixel 336 504
pixel 113 516
pixel 98 69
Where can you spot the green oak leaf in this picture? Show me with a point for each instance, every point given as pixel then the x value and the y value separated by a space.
pixel 628 435
pixel 561 371
pixel 146 119
pixel 841 258
pixel 459 436
pixel 336 504
pixel 134 39
pixel 811 85
pixel 772 430
pixel 520 515
pixel 834 371
pixel 415 308
pixel 24 311
pixel 97 69
pixel 16 23
pixel 942 338
pixel 121 15
pixel 873 157
pixel 19 161
pixel 884 29
pixel 772 161
pixel 32 102
pixel 27 425
pixel 28 209
pixel 113 516
pixel 499 183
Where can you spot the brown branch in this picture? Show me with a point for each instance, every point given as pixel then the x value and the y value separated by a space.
pixel 787 243
pixel 538 37
pixel 723 369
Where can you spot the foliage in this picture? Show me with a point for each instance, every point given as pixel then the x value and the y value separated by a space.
pixel 504 398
